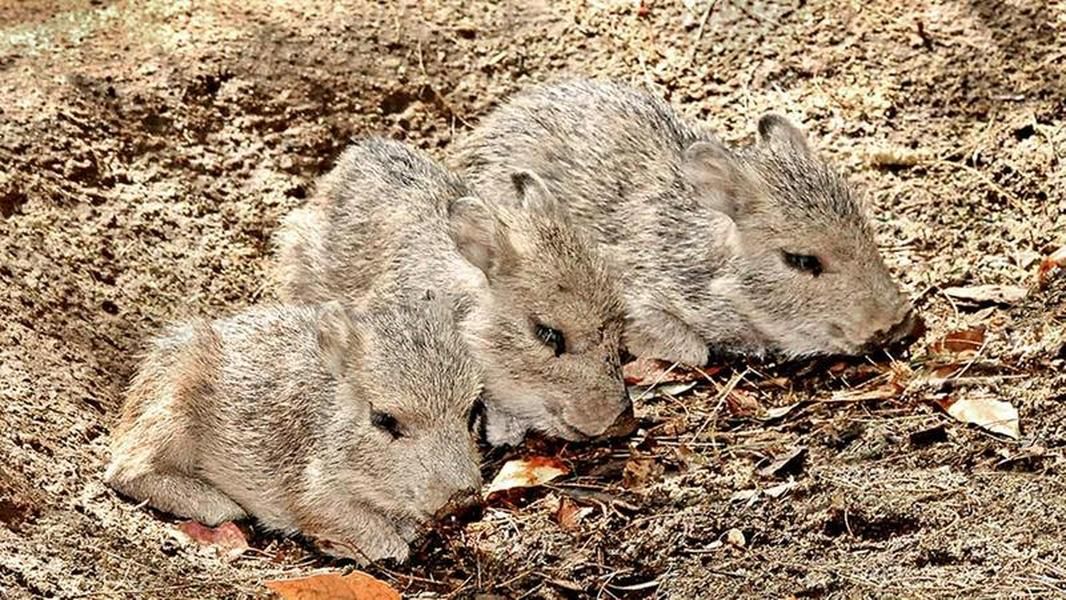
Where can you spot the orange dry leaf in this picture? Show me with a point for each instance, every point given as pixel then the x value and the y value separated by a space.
pixel 742 404
pixel 334 586
pixel 641 471
pixel 227 539
pixel 569 514
pixel 1057 260
pixel 967 340
pixel 527 472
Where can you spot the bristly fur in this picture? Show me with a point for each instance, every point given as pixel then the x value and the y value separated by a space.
pixel 699 232
pixel 389 220
pixel 270 414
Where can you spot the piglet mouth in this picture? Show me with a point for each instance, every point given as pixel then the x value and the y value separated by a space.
pixel 561 428
pixel 569 432
pixel 625 424
pixel 462 508
pixel 900 335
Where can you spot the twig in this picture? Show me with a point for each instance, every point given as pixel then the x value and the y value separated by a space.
pixel 699 33
pixel 657 381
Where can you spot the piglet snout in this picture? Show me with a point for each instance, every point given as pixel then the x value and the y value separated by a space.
pixel 907 329
pixel 624 425
pixel 464 505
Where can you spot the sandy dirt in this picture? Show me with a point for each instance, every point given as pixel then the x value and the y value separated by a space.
pixel 149 149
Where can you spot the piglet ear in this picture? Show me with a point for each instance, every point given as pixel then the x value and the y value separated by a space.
pixel 477 232
pixel 718 177
pixel 534 196
pixel 338 340
pixel 780 134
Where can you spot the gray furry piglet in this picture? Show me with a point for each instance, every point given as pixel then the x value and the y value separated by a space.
pixel 758 250
pixel 534 298
pixel 352 428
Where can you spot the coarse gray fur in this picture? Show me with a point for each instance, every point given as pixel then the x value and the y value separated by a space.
pixel 390 222
pixel 699 232
pixel 278 413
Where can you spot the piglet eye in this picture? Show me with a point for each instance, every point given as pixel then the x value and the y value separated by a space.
pixel 804 262
pixel 551 338
pixel 386 423
pixel 475 421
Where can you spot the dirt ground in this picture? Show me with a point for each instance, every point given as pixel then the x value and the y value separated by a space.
pixel 149 149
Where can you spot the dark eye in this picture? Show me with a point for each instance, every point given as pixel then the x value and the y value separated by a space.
pixel 804 262
pixel 552 338
pixel 475 421
pixel 387 423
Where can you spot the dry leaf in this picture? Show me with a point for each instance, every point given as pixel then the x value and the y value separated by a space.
pixel 735 537
pixel 996 294
pixel 967 340
pixel 640 471
pixel 885 391
pixel 652 371
pixel 993 415
pixel 527 472
pixel 688 457
pixel 673 427
pixel 777 412
pixel 1057 260
pixel 333 586
pixel 569 515
pixel 776 491
pixel 647 392
pixel 227 539
pixel 742 404
pixel 790 462
pixel 749 496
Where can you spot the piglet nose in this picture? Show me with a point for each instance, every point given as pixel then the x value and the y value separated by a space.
pixel 625 424
pixel 462 506
pixel 908 329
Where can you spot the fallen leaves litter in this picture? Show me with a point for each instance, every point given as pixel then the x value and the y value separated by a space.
pixel 773 492
pixel 652 371
pixel 527 472
pixel 1056 260
pixel 227 539
pixel 640 471
pixel 742 404
pixel 569 515
pixel 649 392
pixel 990 414
pixel 776 412
pixel 776 491
pixel 966 340
pixel 791 462
pixel 885 391
pixel 735 537
pixel 988 294
pixel 334 586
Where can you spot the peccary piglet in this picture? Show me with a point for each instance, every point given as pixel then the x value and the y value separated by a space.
pixel 757 250
pixel 535 301
pixel 352 428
